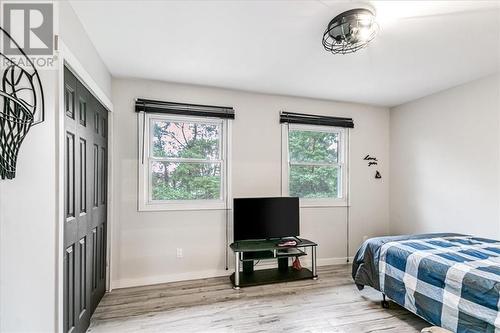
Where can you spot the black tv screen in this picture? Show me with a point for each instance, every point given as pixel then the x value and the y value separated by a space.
pixel 263 218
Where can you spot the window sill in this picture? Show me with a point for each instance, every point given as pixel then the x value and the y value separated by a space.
pixel 180 206
pixel 313 203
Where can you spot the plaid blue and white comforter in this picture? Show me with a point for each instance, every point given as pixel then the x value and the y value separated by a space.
pixel 452 282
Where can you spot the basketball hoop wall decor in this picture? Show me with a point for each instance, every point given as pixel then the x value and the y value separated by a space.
pixel 21 103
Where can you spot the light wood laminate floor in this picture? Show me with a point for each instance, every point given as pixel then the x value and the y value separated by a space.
pixel 330 304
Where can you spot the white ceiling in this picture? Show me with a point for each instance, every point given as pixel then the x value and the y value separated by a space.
pixel 275 46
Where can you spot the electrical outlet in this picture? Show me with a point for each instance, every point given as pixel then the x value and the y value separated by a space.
pixel 179 253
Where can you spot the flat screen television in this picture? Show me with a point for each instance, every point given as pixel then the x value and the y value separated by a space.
pixel 264 218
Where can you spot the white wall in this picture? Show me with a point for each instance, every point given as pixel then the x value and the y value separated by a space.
pixel 28 204
pixel 445 161
pixel 144 246
pixel 74 36
pixel 28 229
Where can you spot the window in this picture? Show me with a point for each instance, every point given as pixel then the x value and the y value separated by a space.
pixel 183 165
pixel 316 168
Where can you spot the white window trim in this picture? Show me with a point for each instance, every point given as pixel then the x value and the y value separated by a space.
pixel 344 162
pixel 144 184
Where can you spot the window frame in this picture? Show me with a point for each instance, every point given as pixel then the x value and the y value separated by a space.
pixel 342 163
pixel 145 158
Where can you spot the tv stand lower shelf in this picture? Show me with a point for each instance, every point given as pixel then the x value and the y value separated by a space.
pixel 246 252
pixel 271 275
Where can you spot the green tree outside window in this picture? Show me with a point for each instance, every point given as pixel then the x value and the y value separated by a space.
pixel 185 160
pixel 315 168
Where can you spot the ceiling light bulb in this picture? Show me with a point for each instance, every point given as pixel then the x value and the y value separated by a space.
pixel 365 21
pixel 364 34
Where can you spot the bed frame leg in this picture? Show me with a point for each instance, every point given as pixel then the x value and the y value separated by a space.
pixel 384 303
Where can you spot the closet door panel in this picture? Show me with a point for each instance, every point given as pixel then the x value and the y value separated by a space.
pixel 85 179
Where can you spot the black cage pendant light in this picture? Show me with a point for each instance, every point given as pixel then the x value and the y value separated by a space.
pixel 350 31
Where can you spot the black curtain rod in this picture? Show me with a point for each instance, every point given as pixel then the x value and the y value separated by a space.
pixel 311 119
pixel 155 106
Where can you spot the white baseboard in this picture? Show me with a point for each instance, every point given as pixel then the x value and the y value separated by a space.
pixel 331 261
pixel 150 280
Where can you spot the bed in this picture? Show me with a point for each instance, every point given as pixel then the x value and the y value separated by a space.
pixel 450 280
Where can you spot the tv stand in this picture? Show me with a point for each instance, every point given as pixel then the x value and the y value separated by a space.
pixel 246 252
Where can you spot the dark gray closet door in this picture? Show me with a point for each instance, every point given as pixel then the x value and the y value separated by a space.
pixel 85 179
